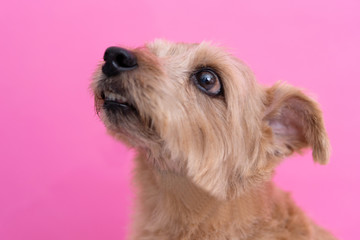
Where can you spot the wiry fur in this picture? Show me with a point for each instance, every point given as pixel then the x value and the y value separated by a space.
pixel 204 164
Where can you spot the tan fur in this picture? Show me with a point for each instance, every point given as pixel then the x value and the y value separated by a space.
pixel 204 164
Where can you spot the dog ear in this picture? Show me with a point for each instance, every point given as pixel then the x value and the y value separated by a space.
pixel 296 123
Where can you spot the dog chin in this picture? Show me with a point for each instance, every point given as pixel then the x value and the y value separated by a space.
pixel 121 118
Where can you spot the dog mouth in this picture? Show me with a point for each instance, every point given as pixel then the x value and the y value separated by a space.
pixel 113 101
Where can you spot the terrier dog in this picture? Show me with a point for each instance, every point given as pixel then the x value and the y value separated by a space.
pixel 208 138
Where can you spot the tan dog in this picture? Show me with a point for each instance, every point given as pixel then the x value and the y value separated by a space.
pixel 208 139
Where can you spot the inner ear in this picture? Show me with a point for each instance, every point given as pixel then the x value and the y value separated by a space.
pixel 288 125
pixel 296 122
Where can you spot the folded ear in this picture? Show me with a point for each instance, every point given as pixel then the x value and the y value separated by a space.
pixel 296 123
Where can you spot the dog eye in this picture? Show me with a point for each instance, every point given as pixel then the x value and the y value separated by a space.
pixel 207 81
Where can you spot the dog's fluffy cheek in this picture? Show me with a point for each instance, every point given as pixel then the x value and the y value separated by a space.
pixel 201 144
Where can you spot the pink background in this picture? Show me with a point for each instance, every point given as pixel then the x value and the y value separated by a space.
pixel 62 177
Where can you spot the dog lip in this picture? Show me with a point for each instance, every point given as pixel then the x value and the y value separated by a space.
pixel 111 103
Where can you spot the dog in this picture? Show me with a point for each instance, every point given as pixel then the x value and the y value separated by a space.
pixel 208 138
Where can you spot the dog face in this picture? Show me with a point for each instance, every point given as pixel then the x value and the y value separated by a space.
pixel 197 111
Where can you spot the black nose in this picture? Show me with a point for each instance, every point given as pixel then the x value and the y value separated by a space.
pixel 118 60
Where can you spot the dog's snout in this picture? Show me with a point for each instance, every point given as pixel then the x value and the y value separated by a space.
pixel 118 60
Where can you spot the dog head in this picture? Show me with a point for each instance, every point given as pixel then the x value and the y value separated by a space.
pixel 198 111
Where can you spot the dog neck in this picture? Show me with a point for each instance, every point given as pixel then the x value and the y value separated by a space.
pixel 177 201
